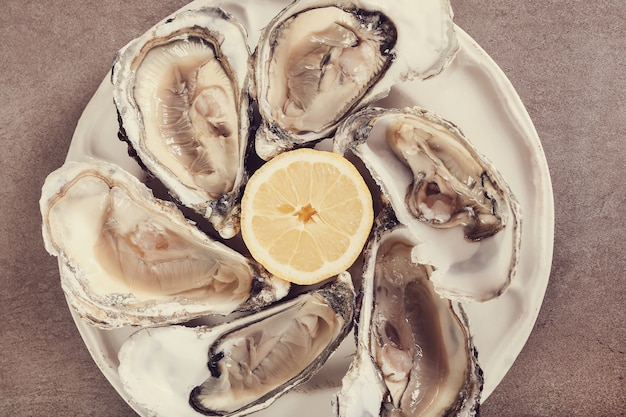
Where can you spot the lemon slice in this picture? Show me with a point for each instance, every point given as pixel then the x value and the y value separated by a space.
pixel 305 215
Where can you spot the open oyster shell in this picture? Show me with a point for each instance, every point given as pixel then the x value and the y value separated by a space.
pixel 127 258
pixel 454 200
pixel 181 95
pixel 317 61
pixel 415 355
pixel 239 367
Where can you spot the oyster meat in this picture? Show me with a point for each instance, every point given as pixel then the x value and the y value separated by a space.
pixel 415 355
pixel 449 195
pixel 319 60
pixel 239 367
pixel 127 258
pixel 181 95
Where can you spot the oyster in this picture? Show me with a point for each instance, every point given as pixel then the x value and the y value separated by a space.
pixel 415 355
pixel 239 367
pixel 127 258
pixel 317 61
pixel 181 95
pixel 450 196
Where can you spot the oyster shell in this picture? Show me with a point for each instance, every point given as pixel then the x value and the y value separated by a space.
pixel 450 196
pixel 181 95
pixel 317 61
pixel 415 355
pixel 127 258
pixel 239 367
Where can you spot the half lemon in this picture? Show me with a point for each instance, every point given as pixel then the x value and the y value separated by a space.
pixel 305 215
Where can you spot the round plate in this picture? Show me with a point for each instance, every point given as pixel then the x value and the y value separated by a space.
pixel 474 94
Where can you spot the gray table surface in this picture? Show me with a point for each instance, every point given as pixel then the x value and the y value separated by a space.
pixel 566 60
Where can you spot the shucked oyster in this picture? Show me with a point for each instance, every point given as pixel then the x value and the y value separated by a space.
pixel 450 196
pixel 127 258
pixel 239 367
pixel 415 356
pixel 180 92
pixel 319 60
pixel 450 186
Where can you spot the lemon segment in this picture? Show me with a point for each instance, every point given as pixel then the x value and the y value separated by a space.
pixel 305 215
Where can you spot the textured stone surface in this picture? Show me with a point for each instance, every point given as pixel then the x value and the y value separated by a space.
pixel 566 60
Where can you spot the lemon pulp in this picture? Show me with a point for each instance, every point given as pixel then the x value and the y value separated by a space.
pixel 305 215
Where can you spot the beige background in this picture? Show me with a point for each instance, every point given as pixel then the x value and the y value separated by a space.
pixel 565 58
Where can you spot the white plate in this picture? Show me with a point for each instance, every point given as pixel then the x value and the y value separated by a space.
pixel 474 94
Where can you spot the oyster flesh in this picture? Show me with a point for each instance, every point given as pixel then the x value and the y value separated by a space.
pixel 127 258
pixel 415 355
pixel 181 96
pixel 239 367
pixel 449 195
pixel 317 61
